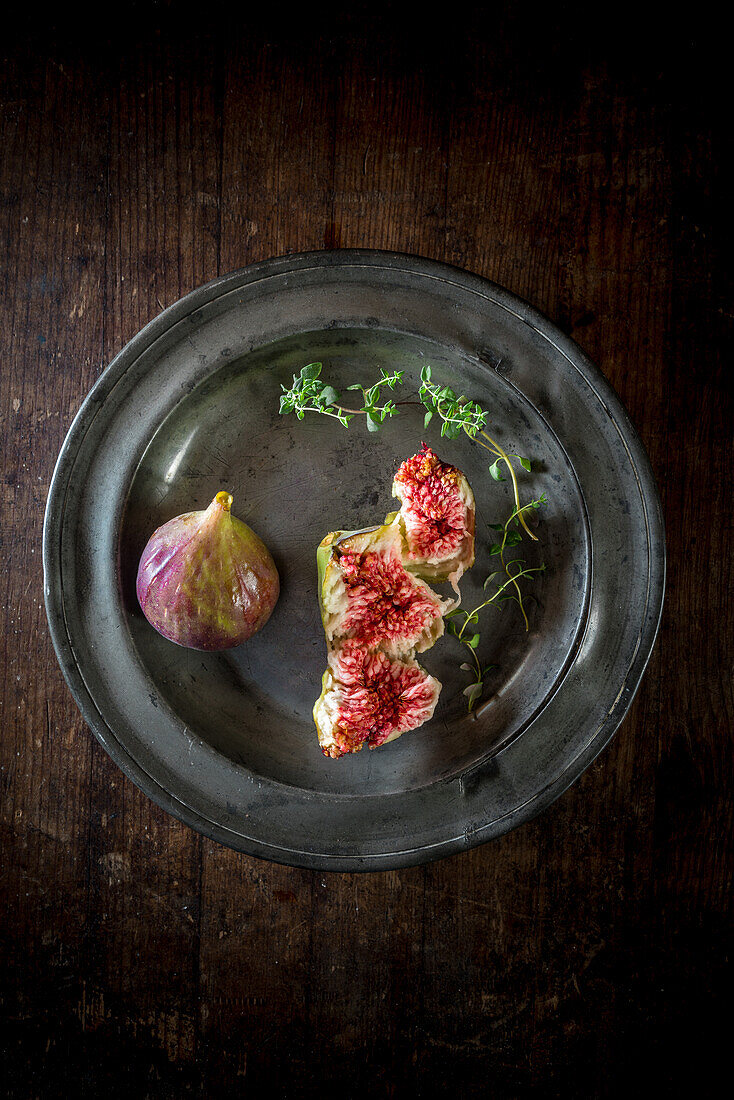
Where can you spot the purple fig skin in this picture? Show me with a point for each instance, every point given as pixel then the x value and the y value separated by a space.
pixel 205 580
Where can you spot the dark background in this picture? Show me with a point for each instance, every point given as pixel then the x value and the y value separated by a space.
pixel 150 148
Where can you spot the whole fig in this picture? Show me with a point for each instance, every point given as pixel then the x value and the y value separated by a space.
pixel 205 579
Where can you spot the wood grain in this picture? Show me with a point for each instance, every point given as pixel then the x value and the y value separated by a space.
pixel 584 954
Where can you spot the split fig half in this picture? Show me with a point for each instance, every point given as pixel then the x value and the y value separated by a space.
pixel 436 517
pixel 368 698
pixel 367 595
pixel 205 579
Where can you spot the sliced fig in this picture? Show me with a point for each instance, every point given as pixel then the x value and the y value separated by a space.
pixel 368 698
pixel 205 579
pixel 366 593
pixel 378 612
pixel 436 517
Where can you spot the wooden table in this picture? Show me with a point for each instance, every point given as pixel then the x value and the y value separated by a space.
pixel 584 952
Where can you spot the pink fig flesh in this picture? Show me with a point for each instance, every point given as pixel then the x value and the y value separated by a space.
pixel 437 515
pixel 369 699
pixel 205 579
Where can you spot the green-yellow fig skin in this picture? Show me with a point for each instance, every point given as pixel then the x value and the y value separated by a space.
pixel 206 580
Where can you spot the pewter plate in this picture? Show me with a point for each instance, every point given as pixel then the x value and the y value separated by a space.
pixel 225 742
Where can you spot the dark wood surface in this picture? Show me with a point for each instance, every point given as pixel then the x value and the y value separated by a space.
pixel 585 954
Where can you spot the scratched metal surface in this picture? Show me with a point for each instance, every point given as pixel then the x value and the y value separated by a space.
pixel 226 741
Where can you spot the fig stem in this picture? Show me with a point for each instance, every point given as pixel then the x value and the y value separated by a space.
pixel 224 500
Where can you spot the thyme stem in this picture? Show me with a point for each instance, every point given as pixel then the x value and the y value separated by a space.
pixel 506 459
pixel 513 578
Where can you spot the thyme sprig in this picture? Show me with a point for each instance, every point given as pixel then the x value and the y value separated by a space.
pixel 309 393
pixel 511 535
pixel 459 414
pixel 515 570
pixel 471 639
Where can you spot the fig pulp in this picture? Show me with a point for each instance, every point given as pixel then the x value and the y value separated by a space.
pixel 367 594
pixel 205 579
pixel 378 612
pixel 437 516
pixel 369 698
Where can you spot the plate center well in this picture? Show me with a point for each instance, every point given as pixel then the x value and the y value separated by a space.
pixel 295 481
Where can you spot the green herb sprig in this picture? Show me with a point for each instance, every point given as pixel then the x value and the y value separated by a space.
pixel 459 621
pixel 472 638
pixel 459 414
pixel 511 535
pixel 310 394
